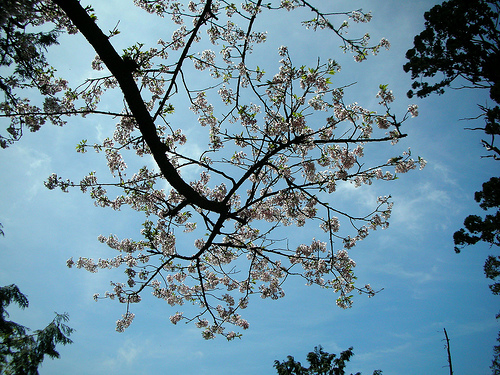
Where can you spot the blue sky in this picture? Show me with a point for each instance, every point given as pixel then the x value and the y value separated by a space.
pixel 427 287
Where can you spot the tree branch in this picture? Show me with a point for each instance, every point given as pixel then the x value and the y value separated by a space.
pixel 86 25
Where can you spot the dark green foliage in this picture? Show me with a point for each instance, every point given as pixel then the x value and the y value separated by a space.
pixel 23 52
pixel 24 39
pixel 496 356
pixel 320 363
pixel 487 229
pixel 460 39
pixel 17 45
pixel 492 271
pixel 21 352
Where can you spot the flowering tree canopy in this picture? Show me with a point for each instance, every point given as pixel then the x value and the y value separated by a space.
pixel 278 144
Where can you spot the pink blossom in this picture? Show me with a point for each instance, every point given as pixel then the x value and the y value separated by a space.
pixel 413 109
pixel 176 318
pixel 125 322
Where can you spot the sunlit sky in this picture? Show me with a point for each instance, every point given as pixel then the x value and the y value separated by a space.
pixel 426 286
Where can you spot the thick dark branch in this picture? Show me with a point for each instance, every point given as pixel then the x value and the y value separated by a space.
pixel 490 147
pixel 118 68
pixel 66 113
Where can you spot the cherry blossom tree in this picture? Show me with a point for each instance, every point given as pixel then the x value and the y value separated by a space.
pixel 278 145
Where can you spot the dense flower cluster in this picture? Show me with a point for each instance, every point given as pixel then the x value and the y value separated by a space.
pixel 124 322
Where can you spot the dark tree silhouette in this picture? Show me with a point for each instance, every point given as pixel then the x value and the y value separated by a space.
pixel 460 43
pixel 22 54
pixel 485 229
pixel 320 363
pixel 22 352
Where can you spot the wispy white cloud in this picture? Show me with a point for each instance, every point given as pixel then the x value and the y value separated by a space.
pixel 425 205
pixel 374 356
pixel 415 276
pixel 126 355
pixel 474 327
